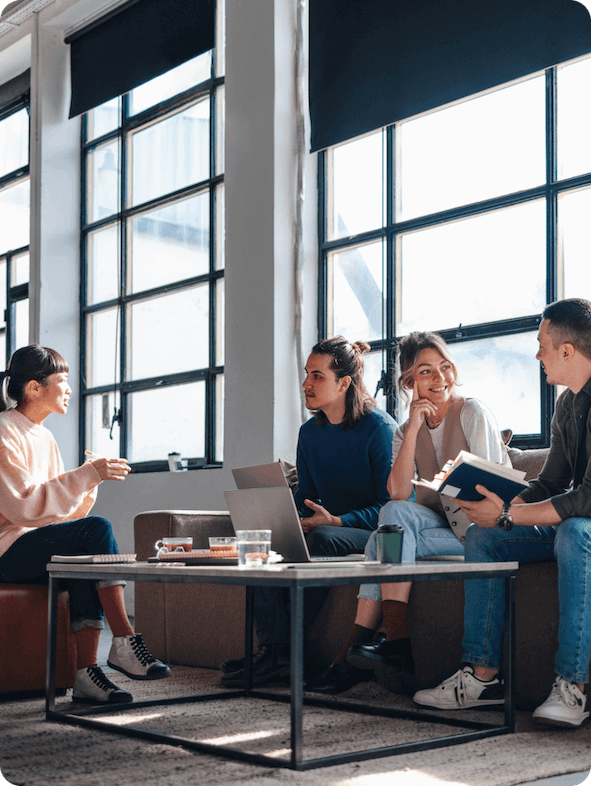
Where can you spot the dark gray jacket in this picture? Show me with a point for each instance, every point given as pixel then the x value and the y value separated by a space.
pixel 555 479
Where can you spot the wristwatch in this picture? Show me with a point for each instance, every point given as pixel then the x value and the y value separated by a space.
pixel 505 521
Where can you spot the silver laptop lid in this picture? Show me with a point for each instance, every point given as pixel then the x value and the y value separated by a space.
pixel 260 477
pixel 274 509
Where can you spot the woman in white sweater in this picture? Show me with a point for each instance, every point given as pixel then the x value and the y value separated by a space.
pixel 44 511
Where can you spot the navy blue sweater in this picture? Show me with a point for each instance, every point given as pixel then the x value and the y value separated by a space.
pixel 346 471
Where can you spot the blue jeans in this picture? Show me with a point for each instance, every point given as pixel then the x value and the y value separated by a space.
pixel 570 544
pixel 25 563
pixel 426 534
pixel 271 605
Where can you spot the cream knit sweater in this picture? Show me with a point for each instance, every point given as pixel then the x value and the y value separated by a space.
pixel 34 489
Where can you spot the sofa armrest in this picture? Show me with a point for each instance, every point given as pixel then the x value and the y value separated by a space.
pixel 152 525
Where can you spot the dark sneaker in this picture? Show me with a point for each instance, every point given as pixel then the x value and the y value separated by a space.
pixel 131 657
pixel 338 678
pixel 565 706
pixel 461 691
pixel 91 685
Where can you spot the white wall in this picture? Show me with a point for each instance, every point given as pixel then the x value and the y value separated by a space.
pixel 262 407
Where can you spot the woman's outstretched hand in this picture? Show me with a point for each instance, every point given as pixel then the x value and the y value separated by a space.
pixel 320 518
pixel 110 468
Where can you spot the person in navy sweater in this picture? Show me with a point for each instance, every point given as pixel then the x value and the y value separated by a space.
pixel 344 457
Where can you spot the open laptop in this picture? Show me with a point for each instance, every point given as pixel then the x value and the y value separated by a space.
pixel 274 509
pixel 261 477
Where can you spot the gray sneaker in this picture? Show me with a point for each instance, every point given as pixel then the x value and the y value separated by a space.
pixel 131 657
pixel 91 685
pixel 461 691
pixel 565 706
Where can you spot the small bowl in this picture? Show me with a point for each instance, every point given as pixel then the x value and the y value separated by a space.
pixel 222 544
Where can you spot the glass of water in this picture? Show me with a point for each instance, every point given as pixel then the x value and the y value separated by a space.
pixel 253 547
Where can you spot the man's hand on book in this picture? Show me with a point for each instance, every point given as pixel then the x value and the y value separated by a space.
pixel 486 512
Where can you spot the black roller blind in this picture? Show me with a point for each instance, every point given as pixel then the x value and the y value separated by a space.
pixel 373 62
pixel 140 40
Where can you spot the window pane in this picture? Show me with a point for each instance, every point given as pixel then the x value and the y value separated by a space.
pixel 356 276
pixel 99 415
pixel 3 358
pixel 482 269
pixel 220 333
pixel 354 182
pixel 574 119
pixel 504 374
pixel 170 84
pixel 103 181
pixel 14 216
pixel 170 244
pixel 220 130
pixel 374 363
pixel 14 142
pixel 170 334
pixel 21 323
pixel 473 151
pixel 166 420
pixel 574 210
pixel 2 296
pixel 103 119
pixel 171 154
pixel 220 226
pixel 102 348
pixel 20 270
pixel 103 265
pixel 219 418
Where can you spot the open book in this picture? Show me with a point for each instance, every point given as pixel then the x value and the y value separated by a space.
pixel 459 477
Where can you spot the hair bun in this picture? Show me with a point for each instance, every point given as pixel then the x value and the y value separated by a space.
pixel 361 347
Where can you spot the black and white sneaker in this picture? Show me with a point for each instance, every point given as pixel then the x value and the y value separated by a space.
pixel 130 656
pixel 92 685
pixel 565 706
pixel 461 691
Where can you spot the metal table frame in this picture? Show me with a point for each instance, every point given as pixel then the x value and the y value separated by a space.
pixel 296 579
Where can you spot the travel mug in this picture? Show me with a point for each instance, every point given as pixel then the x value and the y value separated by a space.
pixel 389 543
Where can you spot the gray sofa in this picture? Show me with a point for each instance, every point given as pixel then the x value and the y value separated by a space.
pixel 203 625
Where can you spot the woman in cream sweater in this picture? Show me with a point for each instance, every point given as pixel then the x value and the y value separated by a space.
pixel 44 511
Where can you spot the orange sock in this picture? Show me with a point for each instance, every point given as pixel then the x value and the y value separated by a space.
pixel 394 619
pixel 87 642
pixel 113 604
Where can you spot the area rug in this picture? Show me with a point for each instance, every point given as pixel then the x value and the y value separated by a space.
pixel 35 752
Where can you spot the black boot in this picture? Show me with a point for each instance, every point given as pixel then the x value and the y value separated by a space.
pixel 228 666
pixel 396 653
pixel 270 664
pixel 338 678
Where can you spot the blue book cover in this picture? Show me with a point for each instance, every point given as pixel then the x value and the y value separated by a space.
pixel 468 471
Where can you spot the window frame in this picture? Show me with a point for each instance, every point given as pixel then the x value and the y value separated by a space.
pixel 123 387
pixel 18 292
pixel 388 233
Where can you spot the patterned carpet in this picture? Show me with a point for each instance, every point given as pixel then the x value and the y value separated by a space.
pixel 35 752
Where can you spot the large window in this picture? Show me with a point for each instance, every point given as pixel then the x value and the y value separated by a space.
pixel 14 228
pixel 153 270
pixel 466 221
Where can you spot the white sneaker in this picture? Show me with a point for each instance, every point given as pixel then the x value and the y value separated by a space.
pixel 131 657
pixel 461 691
pixel 565 706
pixel 91 685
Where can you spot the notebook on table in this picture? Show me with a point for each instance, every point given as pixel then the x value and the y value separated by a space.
pixel 274 508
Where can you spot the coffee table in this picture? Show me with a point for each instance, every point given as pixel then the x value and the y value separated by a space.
pixel 296 578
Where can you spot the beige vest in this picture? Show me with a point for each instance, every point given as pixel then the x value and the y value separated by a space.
pixel 454 440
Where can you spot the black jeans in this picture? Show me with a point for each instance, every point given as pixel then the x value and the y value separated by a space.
pixel 271 606
pixel 25 562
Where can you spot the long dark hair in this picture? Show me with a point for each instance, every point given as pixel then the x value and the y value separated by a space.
pixel 347 360
pixel 32 362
